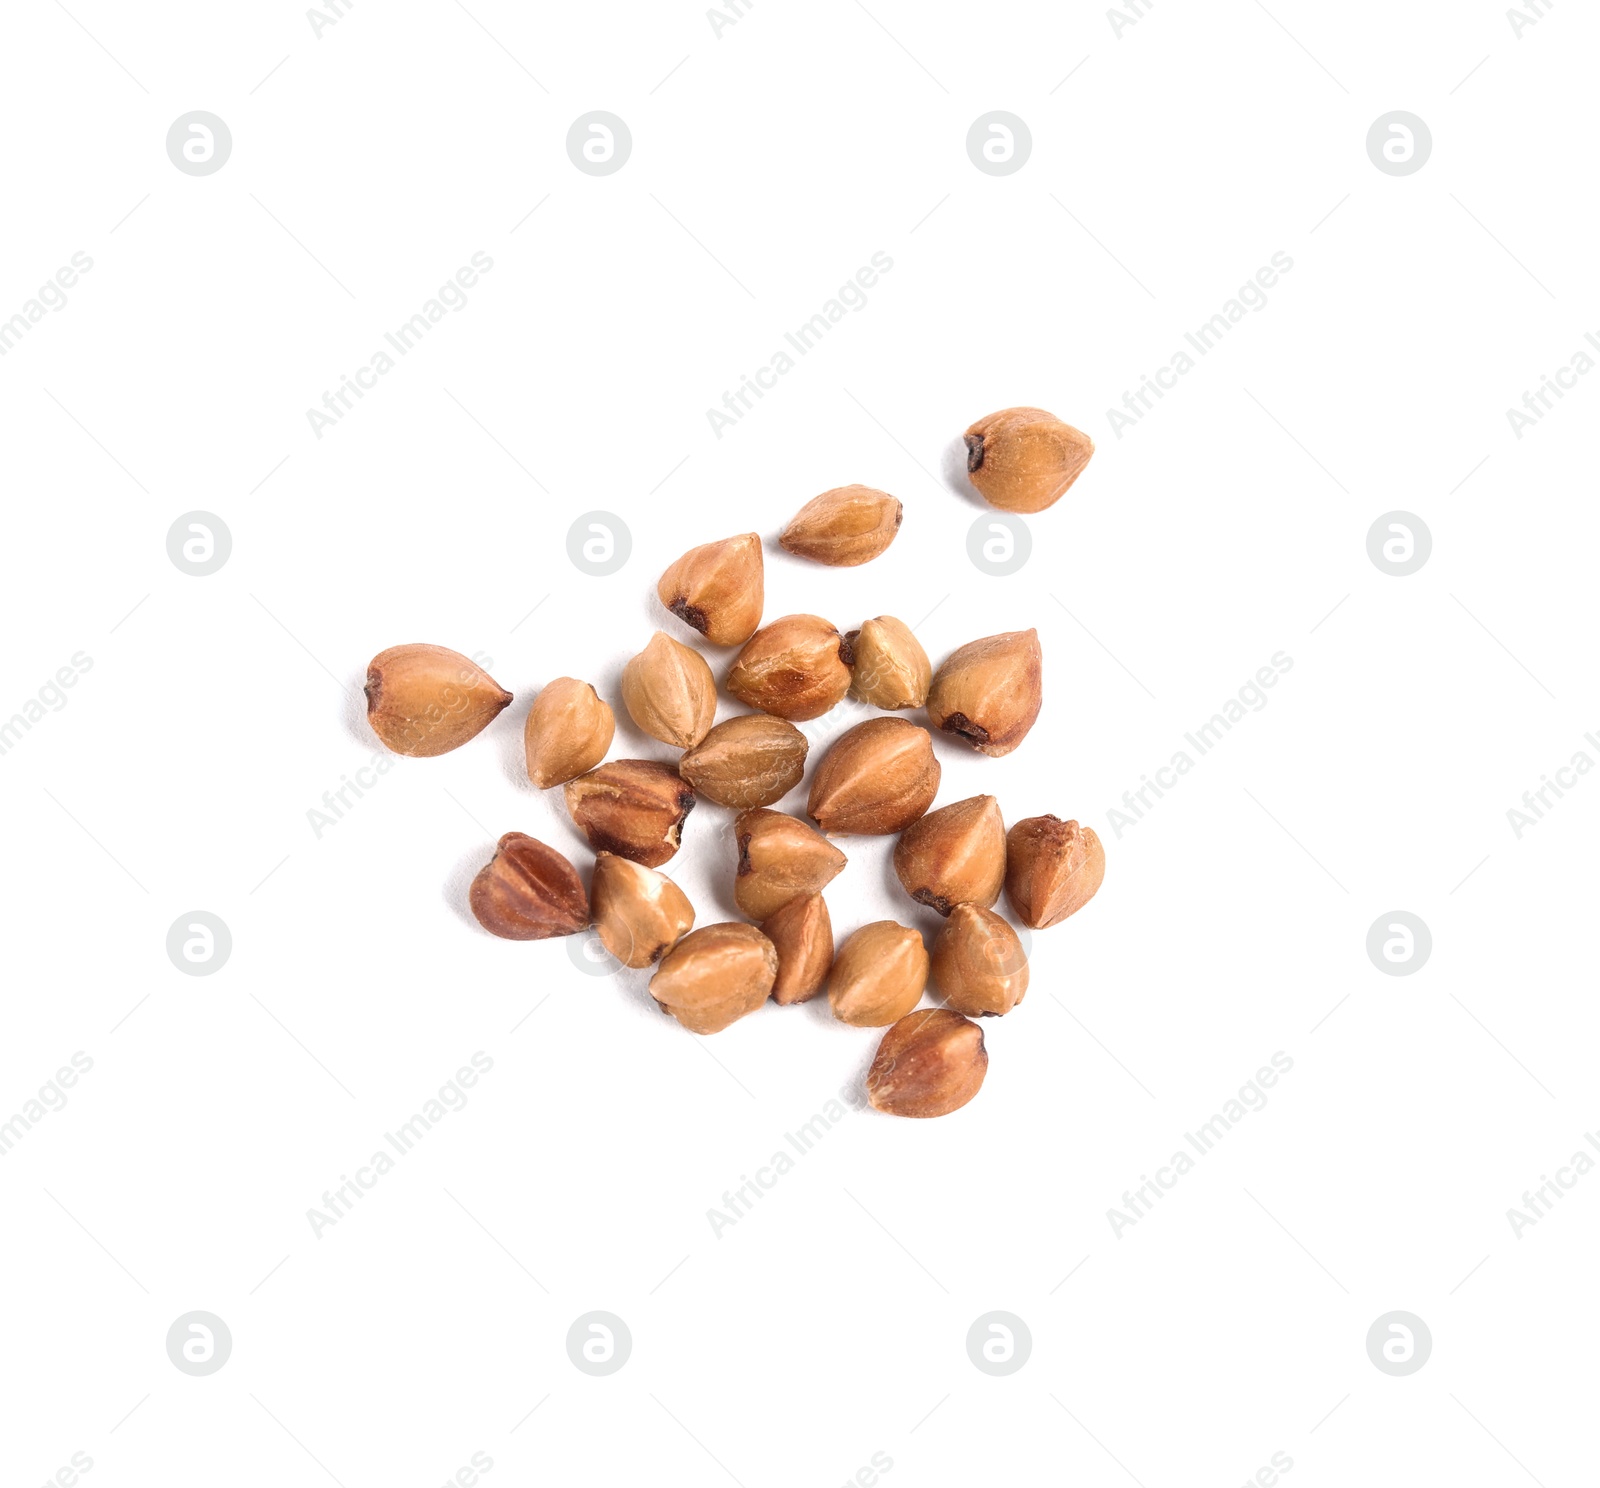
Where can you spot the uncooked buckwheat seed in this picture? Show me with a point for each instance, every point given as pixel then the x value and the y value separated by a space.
pixel 879 778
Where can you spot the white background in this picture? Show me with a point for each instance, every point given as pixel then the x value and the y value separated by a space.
pixel 768 165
